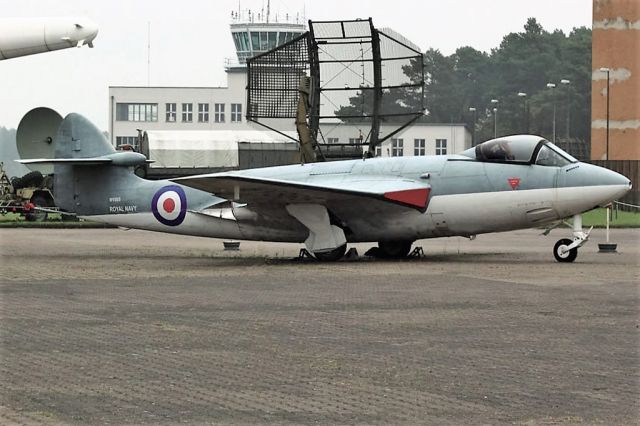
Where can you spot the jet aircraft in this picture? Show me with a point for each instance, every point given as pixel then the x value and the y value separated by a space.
pixel 508 183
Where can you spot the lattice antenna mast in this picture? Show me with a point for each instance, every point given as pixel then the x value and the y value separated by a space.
pixel 329 54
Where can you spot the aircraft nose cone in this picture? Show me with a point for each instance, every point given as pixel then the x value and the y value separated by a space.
pixel 87 30
pixel 619 179
pixel 92 29
pixel 619 184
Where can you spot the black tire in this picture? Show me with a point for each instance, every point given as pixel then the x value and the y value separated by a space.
pixel 331 256
pixel 33 178
pixel 394 249
pixel 16 182
pixel 567 257
pixel 37 216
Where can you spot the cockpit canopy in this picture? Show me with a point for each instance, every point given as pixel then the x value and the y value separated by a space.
pixel 520 149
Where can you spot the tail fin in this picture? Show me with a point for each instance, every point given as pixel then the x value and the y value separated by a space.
pixel 77 137
pixel 83 164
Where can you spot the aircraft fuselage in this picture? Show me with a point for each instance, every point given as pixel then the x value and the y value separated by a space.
pixel 467 197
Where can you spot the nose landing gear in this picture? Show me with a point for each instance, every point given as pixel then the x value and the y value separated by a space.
pixel 566 250
pixel 562 253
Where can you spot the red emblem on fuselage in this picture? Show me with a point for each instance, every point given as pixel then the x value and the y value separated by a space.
pixel 514 182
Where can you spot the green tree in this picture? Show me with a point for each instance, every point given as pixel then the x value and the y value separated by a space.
pixel 524 62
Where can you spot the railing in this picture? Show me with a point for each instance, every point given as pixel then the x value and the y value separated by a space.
pixel 262 16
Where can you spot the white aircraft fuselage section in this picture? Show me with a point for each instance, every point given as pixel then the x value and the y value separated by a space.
pixel 28 36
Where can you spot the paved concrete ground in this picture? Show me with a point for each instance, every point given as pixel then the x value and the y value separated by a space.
pixel 111 326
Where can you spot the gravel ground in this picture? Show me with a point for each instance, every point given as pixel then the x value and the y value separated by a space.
pixel 128 327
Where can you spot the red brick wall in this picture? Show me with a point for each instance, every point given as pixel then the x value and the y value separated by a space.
pixel 616 45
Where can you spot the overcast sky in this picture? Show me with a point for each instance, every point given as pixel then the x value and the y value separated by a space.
pixel 190 40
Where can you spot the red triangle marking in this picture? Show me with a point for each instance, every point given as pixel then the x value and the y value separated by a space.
pixel 514 182
pixel 413 197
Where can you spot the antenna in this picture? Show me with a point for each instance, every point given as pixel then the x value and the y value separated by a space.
pixel 268 9
pixel 148 53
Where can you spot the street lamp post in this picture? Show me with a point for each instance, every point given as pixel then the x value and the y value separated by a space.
pixel 495 118
pixel 607 70
pixel 553 86
pixel 473 134
pixel 525 114
pixel 566 83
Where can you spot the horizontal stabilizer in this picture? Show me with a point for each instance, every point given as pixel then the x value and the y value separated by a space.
pixel 78 161
pixel 124 158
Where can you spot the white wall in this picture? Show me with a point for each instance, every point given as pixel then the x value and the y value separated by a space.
pixel 457 136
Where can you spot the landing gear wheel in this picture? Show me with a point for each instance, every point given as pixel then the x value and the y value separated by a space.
pixel 568 256
pixel 394 249
pixel 331 256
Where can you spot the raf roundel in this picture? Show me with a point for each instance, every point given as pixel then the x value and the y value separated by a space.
pixel 169 205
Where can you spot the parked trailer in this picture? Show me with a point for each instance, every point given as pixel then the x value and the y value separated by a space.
pixel 29 195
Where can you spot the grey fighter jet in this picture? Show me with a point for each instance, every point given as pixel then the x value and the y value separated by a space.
pixel 500 185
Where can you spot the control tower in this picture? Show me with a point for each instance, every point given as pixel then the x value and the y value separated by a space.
pixel 258 32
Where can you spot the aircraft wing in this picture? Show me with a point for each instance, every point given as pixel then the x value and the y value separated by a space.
pixel 352 189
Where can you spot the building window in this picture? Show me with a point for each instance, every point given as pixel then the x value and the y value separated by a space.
pixel 242 41
pixel 333 140
pixel 136 112
pixel 170 113
pixel 419 147
pixel 397 147
pixel 203 113
pixel 236 113
pixel 378 151
pixel 187 113
pixel 127 140
pixel 355 141
pixel 219 113
pixel 441 147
